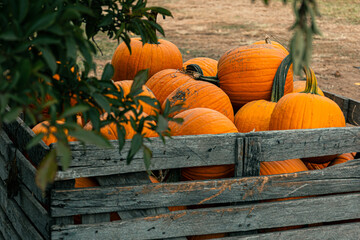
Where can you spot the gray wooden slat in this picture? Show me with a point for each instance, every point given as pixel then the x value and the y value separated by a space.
pixel 95 218
pixel 301 143
pixel 19 220
pixel 222 219
pixel 337 179
pixel 252 157
pixel 63 185
pixel 26 170
pixel 22 134
pixel 354 112
pixel 348 231
pixel 128 180
pixel 181 151
pixel 6 228
pixel 239 162
pixel 343 102
pixel 34 210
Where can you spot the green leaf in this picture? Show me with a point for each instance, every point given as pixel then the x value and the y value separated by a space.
pixel 161 10
pixel 49 58
pixel 162 124
pixel 121 136
pixel 42 22
pixel 102 101
pixel 23 10
pixel 47 170
pixel 12 115
pixel 9 36
pixel 35 140
pixel 63 150
pixel 136 144
pixel 108 72
pixel 90 137
pixel 70 47
pixel 147 158
pixel 139 80
pixel 74 110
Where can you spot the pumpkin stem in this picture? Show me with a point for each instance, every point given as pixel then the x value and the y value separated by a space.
pixel 311 81
pixel 197 73
pixel 280 78
pixel 267 39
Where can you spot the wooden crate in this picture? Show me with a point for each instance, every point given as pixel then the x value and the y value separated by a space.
pixel 238 206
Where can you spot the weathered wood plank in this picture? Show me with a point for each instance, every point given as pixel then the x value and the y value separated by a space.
pixel 337 179
pixel 22 134
pixel 18 219
pixel 64 185
pixel 301 143
pixel 222 219
pixel 348 231
pixel 6 228
pixel 252 157
pixel 26 170
pixel 181 151
pixel 95 218
pixel 354 112
pixel 343 102
pixel 239 161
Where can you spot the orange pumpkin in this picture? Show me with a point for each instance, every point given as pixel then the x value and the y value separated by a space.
pixel 207 65
pixel 154 57
pixel 165 82
pixel 126 86
pixel 305 111
pixel 246 73
pixel 274 44
pixel 279 167
pixel 198 94
pixel 203 121
pixel 342 158
pixel 43 128
pixel 299 86
pixel 316 166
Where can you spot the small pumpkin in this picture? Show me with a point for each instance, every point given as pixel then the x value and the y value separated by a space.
pixel 198 94
pixel 246 73
pixel 203 121
pixel 155 57
pixel 207 65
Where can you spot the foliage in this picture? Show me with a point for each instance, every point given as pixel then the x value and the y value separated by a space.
pixel 43 43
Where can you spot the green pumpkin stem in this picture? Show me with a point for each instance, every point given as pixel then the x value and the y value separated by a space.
pixel 197 73
pixel 311 81
pixel 280 78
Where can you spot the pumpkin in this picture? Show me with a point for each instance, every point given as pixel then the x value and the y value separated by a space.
pixel 342 158
pixel 316 166
pixel 203 121
pixel 125 85
pixel 42 127
pixel 274 44
pixel 166 81
pixel 246 73
pixel 307 110
pixel 299 86
pixel 207 65
pixel 110 131
pixel 155 57
pixel 279 167
pixel 198 94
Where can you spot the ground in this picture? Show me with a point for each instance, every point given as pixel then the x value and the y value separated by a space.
pixel 208 28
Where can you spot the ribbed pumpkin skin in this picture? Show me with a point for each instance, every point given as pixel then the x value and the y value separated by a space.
pixel 166 81
pixel 299 86
pixel 316 166
pixel 306 111
pixel 279 167
pixel 207 65
pixel 255 116
pixel 342 158
pixel 203 121
pixel 274 44
pixel 126 86
pixel 198 94
pixel 154 57
pixel 246 73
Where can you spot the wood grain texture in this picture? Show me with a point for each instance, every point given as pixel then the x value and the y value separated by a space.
pixel 354 112
pixel 337 179
pixel 301 143
pixel 239 161
pixel 22 134
pixel 6 229
pixel 179 152
pixel 252 156
pixel 349 231
pixel 222 219
pixel 17 217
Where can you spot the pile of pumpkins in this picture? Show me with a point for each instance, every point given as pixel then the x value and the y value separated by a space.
pixel 233 94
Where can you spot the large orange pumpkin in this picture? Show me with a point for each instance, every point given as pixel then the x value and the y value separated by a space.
pixel 154 57
pixel 198 94
pixel 203 121
pixel 273 43
pixel 279 167
pixel 126 86
pixel 299 86
pixel 305 111
pixel 246 73
pixel 165 82
pixel 207 65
